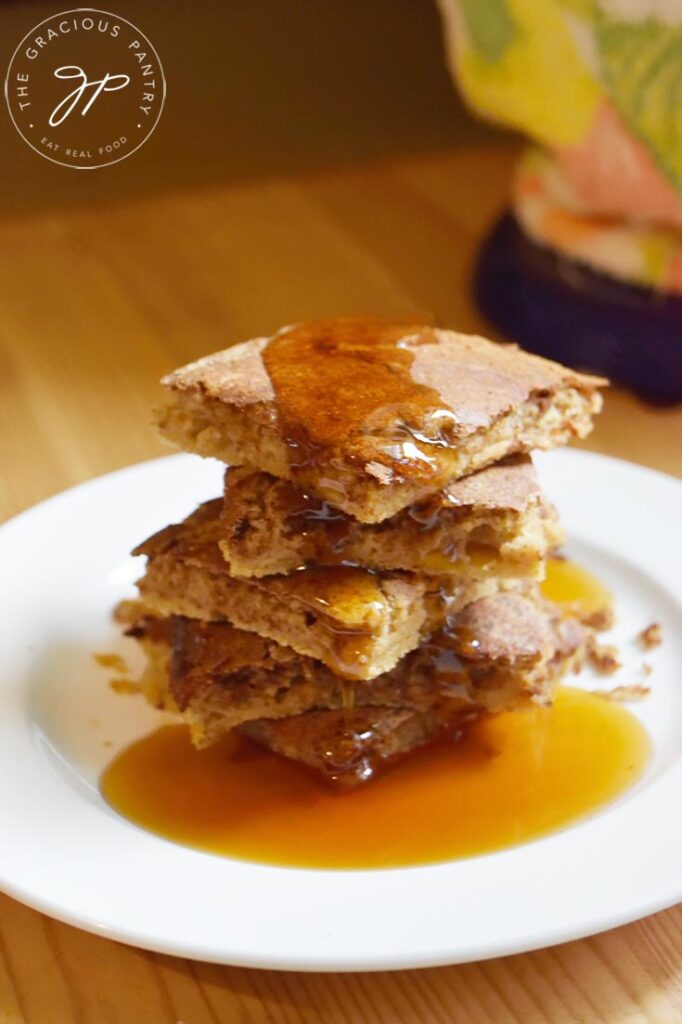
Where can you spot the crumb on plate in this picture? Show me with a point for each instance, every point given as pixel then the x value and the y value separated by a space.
pixel 603 657
pixel 651 637
pixel 624 694
pixel 126 686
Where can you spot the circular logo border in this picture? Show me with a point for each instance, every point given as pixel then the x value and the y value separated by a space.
pixel 62 14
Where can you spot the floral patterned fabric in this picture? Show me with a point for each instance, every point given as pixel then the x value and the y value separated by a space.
pixel 597 86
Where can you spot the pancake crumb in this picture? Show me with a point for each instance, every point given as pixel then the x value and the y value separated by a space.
pixel 624 694
pixel 651 637
pixel 603 657
pixel 110 660
pixel 600 620
pixel 124 686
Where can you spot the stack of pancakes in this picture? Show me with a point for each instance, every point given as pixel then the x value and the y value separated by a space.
pixel 369 579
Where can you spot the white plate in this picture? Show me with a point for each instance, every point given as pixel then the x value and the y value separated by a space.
pixel 65 852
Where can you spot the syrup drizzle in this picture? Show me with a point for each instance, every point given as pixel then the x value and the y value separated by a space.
pixel 329 532
pixel 327 399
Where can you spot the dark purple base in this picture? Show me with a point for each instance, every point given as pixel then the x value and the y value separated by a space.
pixel 562 310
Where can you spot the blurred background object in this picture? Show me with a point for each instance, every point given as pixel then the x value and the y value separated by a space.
pixel 589 267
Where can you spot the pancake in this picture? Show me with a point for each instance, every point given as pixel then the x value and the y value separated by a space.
pixel 359 623
pixel 493 523
pixel 498 653
pixel 374 415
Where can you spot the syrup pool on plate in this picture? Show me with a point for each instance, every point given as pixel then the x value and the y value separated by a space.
pixel 512 778
pixel 575 589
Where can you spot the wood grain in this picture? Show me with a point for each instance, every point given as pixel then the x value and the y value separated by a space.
pixel 95 304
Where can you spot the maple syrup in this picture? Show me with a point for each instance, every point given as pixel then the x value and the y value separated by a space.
pixel 511 778
pixel 576 590
pixel 338 381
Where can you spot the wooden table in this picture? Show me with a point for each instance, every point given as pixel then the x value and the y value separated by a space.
pixel 95 304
